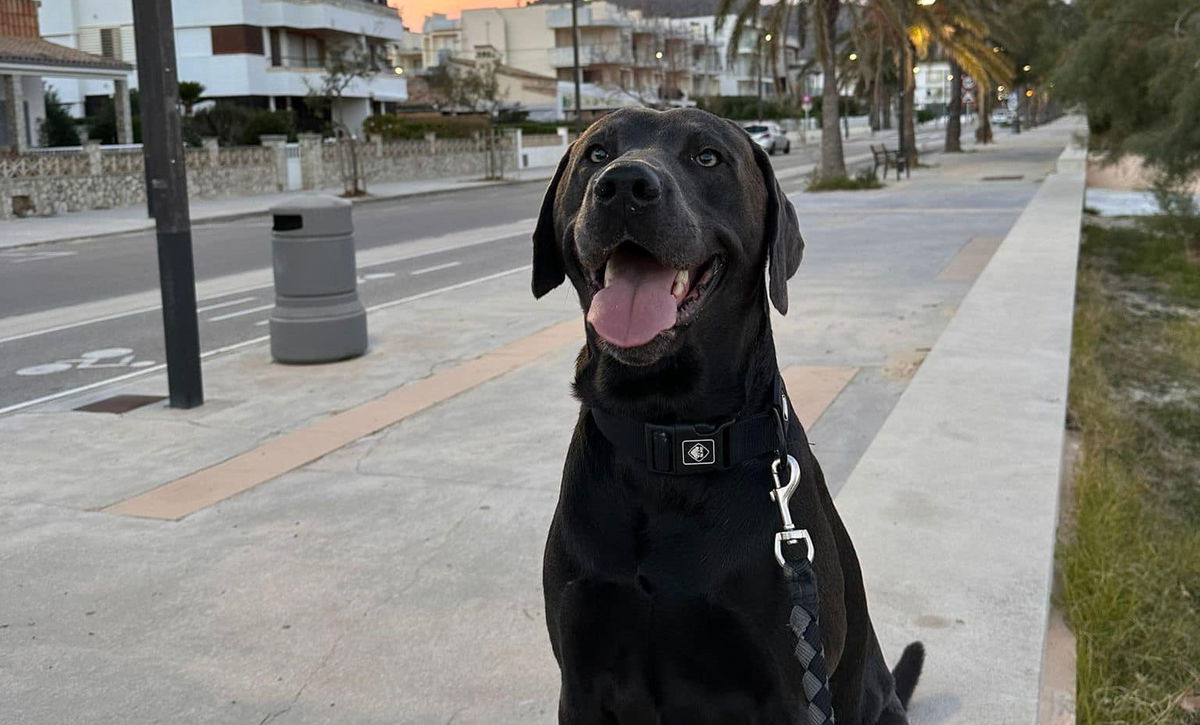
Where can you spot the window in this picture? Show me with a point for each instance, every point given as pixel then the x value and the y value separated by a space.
pixel 234 39
pixel 110 43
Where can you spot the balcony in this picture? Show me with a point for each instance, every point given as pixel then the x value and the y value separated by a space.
pixel 357 17
pixel 597 17
pixel 597 54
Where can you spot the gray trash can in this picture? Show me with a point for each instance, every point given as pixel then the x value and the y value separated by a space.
pixel 318 316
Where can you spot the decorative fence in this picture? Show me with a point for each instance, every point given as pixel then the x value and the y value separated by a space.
pixel 53 181
pixel 49 182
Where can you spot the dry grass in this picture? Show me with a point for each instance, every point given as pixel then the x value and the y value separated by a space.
pixel 1131 557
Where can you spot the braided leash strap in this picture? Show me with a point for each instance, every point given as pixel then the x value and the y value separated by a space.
pixel 805 624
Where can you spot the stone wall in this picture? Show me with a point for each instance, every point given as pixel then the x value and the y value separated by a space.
pixel 429 158
pixel 44 183
pixel 47 183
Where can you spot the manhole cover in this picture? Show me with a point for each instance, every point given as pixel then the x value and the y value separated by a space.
pixel 1016 177
pixel 120 403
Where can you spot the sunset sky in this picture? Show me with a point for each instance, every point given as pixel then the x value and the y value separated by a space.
pixel 414 11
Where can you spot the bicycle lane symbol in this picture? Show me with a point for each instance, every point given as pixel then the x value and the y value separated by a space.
pixel 109 357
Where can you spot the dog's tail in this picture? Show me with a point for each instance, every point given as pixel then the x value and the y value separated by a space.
pixel 908 671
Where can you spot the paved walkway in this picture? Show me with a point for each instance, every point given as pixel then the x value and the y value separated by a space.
pixel 361 542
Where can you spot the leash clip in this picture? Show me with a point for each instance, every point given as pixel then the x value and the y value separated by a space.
pixel 782 495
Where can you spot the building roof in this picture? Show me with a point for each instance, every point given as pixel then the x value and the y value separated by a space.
pixel 507 70
pixel 35 51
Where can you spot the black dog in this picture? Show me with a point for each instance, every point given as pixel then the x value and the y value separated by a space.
pixel 664 601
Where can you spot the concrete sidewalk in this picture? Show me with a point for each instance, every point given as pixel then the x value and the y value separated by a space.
pixel 105 222
pixel 361 542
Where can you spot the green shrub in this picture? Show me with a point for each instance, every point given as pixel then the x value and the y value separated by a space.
pixel 223 120
pixel 394 126
pixel 925 115
pixel 58 128
pixel 864 179
pixel 264 122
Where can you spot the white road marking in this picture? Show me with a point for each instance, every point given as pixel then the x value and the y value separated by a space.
pixel 23 257
pixel 246 343
pixel 239 313
pixel 369 276
pixel 225 293
pixel 230 303
pixel 123 357
pixel 434 268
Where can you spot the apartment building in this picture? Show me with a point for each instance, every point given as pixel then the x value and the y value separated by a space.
pixel 625 56
pixel 259 53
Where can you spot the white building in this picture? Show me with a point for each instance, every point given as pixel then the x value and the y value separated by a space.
pixel 259 53
pixel 669 61
pixel 932 85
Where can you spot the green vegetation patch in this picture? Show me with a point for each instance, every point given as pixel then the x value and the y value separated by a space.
pixel 862 180
pixel 1131 557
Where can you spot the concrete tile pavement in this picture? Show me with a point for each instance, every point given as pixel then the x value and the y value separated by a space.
pixel 398 578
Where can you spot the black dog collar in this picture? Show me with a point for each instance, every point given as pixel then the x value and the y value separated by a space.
pixel 682 449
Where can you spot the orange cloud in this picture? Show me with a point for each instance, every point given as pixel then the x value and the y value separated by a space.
pixel 413 12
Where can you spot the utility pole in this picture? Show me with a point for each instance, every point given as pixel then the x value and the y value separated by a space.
pixel 162 136
pixel 578 70
pixel 758 80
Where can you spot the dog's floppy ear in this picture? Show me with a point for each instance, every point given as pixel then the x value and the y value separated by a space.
pixel 781 234
pixel 548 269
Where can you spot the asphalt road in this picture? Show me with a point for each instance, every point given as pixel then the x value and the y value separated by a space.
pixel 399 255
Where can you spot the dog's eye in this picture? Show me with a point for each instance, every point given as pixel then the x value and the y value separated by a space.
pixel 708 158
pixel 597 154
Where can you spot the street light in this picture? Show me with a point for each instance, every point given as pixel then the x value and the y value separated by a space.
pixel 926 3
pixel 1027 68
pixel 766 37
pixel 854 56
pixel 658 55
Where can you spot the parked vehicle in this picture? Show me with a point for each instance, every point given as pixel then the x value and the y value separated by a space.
pixel 769 136
pixel 1002 117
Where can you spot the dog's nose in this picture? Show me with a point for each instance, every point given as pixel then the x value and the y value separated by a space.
pixel 632 184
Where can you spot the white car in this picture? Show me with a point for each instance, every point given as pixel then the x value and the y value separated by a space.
pixel 769 136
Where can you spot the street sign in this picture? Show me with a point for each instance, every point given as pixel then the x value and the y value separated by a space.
pixel 968 83
pixel 969 98
pixel 806 102
pixel 1013 100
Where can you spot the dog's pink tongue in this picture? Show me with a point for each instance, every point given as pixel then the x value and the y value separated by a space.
pixel 636 304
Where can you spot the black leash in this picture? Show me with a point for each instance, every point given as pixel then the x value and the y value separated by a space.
pixel 692 448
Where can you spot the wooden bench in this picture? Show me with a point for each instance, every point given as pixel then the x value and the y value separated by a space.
pixel 889 159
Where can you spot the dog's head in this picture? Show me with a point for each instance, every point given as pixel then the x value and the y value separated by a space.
pixel 665 222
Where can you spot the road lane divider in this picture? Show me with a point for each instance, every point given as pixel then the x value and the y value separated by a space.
pixel 240 313
pixel 230 303
pixel 435 268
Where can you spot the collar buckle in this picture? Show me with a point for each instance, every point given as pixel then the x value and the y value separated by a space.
pixel 687 448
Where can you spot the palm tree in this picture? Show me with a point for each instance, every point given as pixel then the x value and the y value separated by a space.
pixel 956 27
pixel 190 93
pixel 960 29
pixel 776 22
